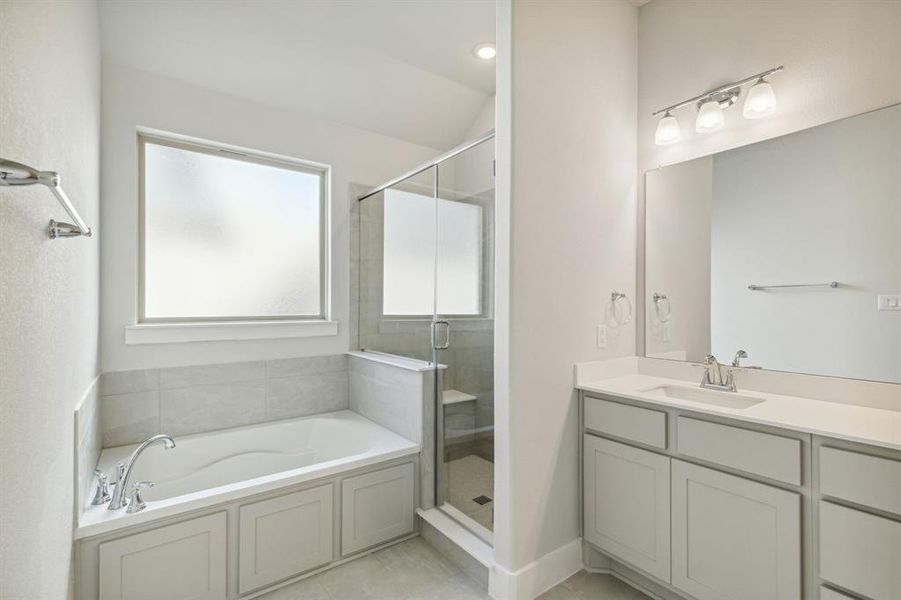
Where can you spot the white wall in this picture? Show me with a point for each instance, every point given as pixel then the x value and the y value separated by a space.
pixel 573 241
pixel 841 58
pixel 134 98
pixel 840 220
pixel 50 119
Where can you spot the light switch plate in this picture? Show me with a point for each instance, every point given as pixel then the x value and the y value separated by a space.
pixel 888 302
pixel 602 336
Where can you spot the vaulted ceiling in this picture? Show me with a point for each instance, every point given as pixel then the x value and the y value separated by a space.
pixel 396 67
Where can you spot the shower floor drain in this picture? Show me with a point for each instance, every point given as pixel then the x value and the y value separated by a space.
pixel 482 500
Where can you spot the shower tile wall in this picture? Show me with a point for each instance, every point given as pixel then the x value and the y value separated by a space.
pixel 185 400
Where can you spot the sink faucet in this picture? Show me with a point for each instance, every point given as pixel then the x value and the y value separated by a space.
pixel 123 469
pixel 713 376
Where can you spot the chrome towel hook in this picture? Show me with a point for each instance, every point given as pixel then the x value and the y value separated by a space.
pixel 14 174
pixel 615 297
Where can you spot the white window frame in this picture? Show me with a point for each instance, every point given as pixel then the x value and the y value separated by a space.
pixel 186 329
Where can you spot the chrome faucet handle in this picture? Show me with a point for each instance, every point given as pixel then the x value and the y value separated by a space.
pixel 101 494
pixel 736 362
pixel 136 503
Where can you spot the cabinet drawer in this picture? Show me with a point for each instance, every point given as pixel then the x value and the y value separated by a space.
pixel 284 536
pixel 860 478
pixel 762 454
pixel 860 552
pixel 376 507
pixel 640 425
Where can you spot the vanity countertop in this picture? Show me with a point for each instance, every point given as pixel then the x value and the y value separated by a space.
pixel 874 426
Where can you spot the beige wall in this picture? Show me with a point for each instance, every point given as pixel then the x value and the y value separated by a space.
pixel 841 58
pixel 573 241
pixel 50 119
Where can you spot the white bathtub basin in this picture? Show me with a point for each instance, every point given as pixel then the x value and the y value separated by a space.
pixel 207 468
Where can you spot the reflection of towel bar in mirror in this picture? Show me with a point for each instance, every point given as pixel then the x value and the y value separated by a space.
pixel 660 299
pixel 14 174
pixel 832 284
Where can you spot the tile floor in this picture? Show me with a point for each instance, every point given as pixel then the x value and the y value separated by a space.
pixel 413 570
pixel 468 478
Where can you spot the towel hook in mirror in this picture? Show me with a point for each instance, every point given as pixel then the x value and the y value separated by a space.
pixel 661 299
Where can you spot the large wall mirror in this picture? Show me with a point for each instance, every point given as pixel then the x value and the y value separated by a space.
pixel 789 249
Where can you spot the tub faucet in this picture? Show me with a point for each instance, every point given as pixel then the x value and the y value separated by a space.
pixel 123 470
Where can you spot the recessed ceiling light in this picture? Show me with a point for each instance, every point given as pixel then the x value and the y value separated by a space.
pixel 485 51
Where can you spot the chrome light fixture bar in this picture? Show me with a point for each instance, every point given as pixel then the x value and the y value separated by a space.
pixel 720 90
pixel 761 102
pixel 15 174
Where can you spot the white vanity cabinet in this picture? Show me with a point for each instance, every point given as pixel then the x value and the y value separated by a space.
pixel 627 504
pixel 700 506
pixel 185 561
pixel 734 539
pixel 702 509
pixel 859 520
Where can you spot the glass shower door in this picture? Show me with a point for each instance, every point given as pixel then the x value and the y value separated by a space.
pixel 464 336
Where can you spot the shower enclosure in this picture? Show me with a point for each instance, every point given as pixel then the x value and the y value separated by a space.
pixel 425 268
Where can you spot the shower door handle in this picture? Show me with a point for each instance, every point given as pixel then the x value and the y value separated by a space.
pixel 435 338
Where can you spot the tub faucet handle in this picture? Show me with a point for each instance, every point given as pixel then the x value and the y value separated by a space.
pixel 136 503
pixel 101 494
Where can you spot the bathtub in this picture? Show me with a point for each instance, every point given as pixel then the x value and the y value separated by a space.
pixel 211 468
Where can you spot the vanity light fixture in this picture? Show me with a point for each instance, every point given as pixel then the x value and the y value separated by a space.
pixel 761 102
pixel 485 51
pixel 668 130
pixel 710 117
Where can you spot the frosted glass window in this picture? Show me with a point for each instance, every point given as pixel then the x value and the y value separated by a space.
pixel 230 238
pixel 416 240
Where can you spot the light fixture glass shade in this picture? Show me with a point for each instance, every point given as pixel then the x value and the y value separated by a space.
pixel 761 101
pixel 668 131
pixel 710 117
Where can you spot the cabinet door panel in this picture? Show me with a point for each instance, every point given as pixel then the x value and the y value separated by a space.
pixel 376 507
pixel 185 561
pixel 734 539
pixel 285 536
pixel 627 504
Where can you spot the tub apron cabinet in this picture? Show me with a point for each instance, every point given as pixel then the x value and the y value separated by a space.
pixel 701 507
pixel 244 546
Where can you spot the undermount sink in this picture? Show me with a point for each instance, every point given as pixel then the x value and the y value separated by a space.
pixel 711 397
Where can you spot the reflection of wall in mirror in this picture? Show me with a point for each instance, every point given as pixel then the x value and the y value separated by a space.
pixel 678 260
pixel 816 206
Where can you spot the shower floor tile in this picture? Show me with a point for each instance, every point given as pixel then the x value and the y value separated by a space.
pixel 468 481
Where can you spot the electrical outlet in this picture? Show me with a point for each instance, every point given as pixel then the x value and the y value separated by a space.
pixel 888 302
pixel 602 336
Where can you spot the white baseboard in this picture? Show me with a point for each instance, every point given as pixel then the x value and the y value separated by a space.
pixel 537 577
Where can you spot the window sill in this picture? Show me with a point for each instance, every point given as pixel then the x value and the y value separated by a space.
pixel 176 333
